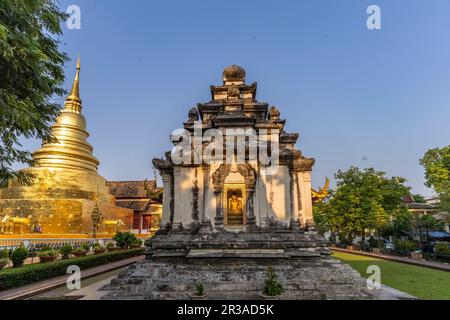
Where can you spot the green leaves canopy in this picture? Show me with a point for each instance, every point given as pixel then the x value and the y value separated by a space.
pixel 437 173
pixel 363 199
pixel 31 73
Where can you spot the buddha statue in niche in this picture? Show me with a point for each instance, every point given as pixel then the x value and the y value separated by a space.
pixel 234 204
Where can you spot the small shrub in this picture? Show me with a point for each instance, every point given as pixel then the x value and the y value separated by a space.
pixel 79 252
pixel 48 255
pixel 65 251
pixel 45 248
pixel 85 246
pixel 373 243
pixel 18 256
pixel 98 248
pixel 272 287
pixel 124 240
pixel 111 247
pixel 442 249
pixel 4 254
pixel 405 245
pixel 199 289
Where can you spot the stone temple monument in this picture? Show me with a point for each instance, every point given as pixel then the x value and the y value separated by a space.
pixel 237 199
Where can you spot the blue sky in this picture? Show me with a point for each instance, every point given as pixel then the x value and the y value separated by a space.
pixel 369 98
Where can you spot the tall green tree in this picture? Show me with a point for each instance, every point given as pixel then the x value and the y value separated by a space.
pixel 363 199
pixel 31 74
pixel 437 173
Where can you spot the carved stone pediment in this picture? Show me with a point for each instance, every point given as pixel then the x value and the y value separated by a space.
pixel 246 170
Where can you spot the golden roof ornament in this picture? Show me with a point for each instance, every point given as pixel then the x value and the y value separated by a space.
pixel 73 100
pixel 319 196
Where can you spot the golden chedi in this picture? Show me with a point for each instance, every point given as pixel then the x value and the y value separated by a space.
pixel 68 196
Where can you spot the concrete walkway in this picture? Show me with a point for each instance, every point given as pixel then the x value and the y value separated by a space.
pixel 423 263
pixel 50 284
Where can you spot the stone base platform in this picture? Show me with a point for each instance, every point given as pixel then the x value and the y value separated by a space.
pixel 234 266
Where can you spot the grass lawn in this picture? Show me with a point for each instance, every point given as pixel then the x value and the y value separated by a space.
pixel 424 283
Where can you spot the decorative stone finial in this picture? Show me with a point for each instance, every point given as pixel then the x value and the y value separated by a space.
pixel 274 114
pixel 233 74
pixel 193 114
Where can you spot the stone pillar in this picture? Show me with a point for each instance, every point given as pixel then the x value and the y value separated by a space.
pixel 176 223
pixel 205 218
pixel 167 197
pixel 218 220
pixel 309 219
pixel 294 221
pixel 251 218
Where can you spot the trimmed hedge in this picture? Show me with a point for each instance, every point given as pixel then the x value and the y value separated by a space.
pixel 16 277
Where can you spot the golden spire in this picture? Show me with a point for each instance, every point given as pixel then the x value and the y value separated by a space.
pixel 72 150
pixel 73 101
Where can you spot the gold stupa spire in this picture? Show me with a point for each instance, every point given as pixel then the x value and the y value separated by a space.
pixel 72 150
pixel 73 101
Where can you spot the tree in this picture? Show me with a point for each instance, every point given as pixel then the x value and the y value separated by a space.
pixel 437 173
pixel 364 199
pixel 31 69
pixel 399 225
pixel 425 223
pixel 419 198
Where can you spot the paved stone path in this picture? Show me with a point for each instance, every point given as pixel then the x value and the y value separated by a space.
pixel 53 283
pixel 423 263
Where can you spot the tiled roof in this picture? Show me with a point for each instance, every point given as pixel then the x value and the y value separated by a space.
pixel 131 189
pixel 416 205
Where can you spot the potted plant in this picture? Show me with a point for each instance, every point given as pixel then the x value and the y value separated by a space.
pixel 79 252
pixel 111 247
pixel 4 258
pixel 272 288
pixel 47 255
pixel 199 293
pixel 86 247
pixel 98 248
pixel 65 251
pixel 18 256
pixel 137 243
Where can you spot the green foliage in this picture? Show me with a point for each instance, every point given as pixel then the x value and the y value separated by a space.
pixel 419 198
pixel 85 246
pixel 12 278
pixel 399 225
pixel 363 199
pixel 4 254
pixel 425 223
pixel 45 248
pixel 442 248
pixel 48 255
pixel 31 69
pixel 405 245
pixel 79 252
pixel 65 251
pixel 18 256
pixel 199 289
pixel 124 239
pixel 373 243
pixel 437 173
pixel 272 287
